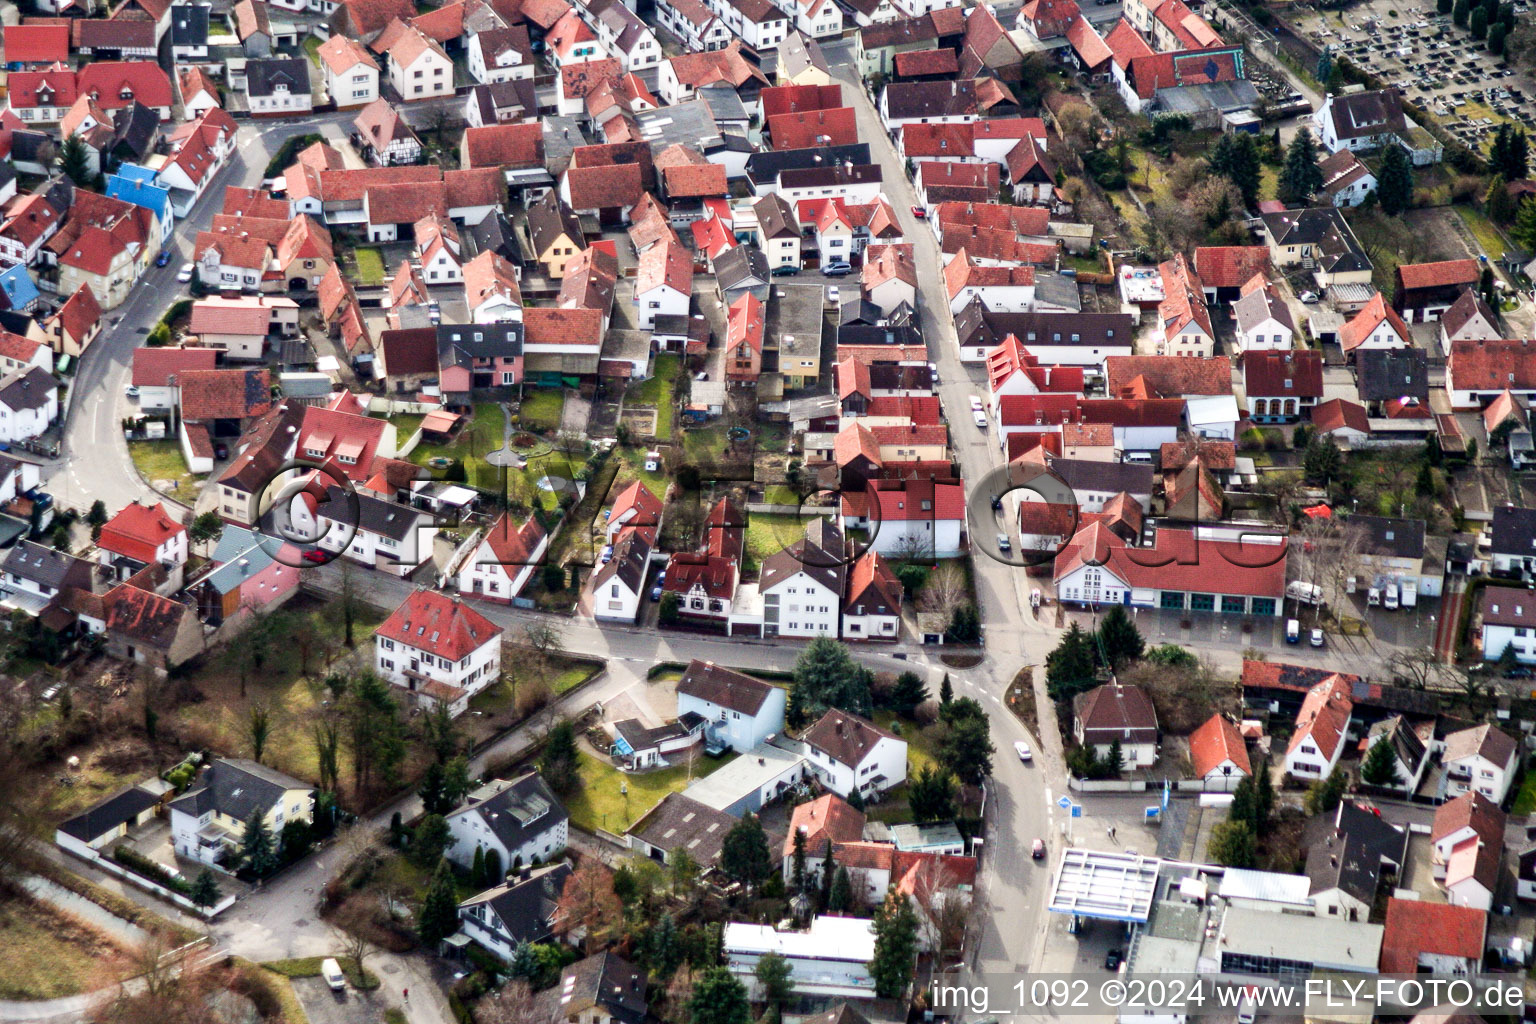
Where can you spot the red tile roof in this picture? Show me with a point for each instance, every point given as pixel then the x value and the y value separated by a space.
pixel 576 327
pixel 692 181
pixel 1185 67
pixel 58 85
pixel 1336 414
pixel 159 367
pixel 1037 410
pixel 1443 274
pixel 505 145
pixel 1290 374
pixel 224 394
pixel 1498 365
pixel 1324 716
pixel 920 409
pixel 939 140
pixel 1230 266
pixel 714 575
pixel 1415 927
pixel 370 16
pixel 143 616
pixel 1091 48
pixel 638 501
pixel 1215 742
pixel 514 547
pixel 828 817
pixel 1126 44
pixel 1470 810
pixel 808 129
pixel 245 316
pixel 439 624
pixel 141 80
pixel 1177 561
pixel 79 313
pixel 604 186
pixel 1353 334
pixel 138 530
pixel 665 264
pixel 342 54
pixel 917 63
pixel 1169 376
pixel 903 500
pixel 36 44
pixel 784 99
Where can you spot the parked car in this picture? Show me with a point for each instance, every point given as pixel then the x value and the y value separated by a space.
pixel 981 419
pixel 1003 543
pixel 131 391
pixel 1292 631
pixel 1308 297
pixel 837 268
pixel 976 405
pixel 833 294
pixel 1317 638
pixel 919 213
pixel 1037 850
pixel 607 553
pixel 163 258
pixel 656 592
pixel 1022 749
pixel 1113 959
pixel 315 555
pixel 330 970
pixel 184 275
pixel 785 270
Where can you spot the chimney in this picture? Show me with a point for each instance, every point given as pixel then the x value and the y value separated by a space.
pixel 839 726
pixel 525 873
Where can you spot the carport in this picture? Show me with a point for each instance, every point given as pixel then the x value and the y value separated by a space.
pixel 1106 886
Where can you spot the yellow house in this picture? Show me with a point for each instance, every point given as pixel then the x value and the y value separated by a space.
pixel 556 234
pixel 208 821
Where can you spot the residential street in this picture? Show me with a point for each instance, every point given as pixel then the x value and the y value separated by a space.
pixel 94 463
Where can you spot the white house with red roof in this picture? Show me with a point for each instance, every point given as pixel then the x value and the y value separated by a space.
pixel 501 564
pixel 351 73
pixel 1468 840
pixel 155 373
pixel 141 535
pixel 1000 289
pixel 872 606
pixel 1012 369
pixel 418 67
pixel 29 223
pixel 1322 727
pixel 1219 755
pixel 1209 570
pixel 916 517
pixel 663 283
pixel 438 648
pixel 344 441
pixel 1377 326
pixel 491 290
pixel 1115 713
pixel 1482 759
pixel 635 505
pixel 199 150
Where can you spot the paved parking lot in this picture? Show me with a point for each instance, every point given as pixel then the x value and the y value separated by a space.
pixel 1436 65
pixel 322 1006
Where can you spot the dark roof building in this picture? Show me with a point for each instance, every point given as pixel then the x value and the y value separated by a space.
pixel 1348 851
pixel 264 77
pixel 236 788
pixel 678 822
pixel 724 687
pixel 1386 374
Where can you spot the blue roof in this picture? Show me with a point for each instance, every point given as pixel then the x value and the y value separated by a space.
pixel 131 185
pixel 19 288
pixel 237 545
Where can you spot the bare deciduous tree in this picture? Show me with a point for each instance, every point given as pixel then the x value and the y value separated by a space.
pixel 352 926
pixel 944 590
pixel 514 1004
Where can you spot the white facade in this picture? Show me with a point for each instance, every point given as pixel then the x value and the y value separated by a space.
pixel 485 576
pixel 1307 760
pixel 933 537
pixel 430 74
pixel 473 673
pixel 357 86
pixel 472 831
pixel 1477 772
pixel 1011 298
pixel 19 424
pixel 735 729
pixel 661 300
pixel 1498 637
pixel 801 606
pixel 1268 335
pixel 886 761
pixel 870 626
pixel 818 19
pixel 614 601
pixel 831 958
pixel 506 66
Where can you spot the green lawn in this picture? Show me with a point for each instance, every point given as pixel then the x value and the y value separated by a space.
pixel 599 804
pixel 769 533
pixel 565 675
pixel 370 266
pixel 160 462
pixel 541 409
pixel 405 424
pixel 309 967
pixel 634 469
pixel 484 433
pixel 779 494
pixel 705 444
pixel 312 47
pixel 1482 228
pixel 656 391
pixel 1525 799
pixel 920 753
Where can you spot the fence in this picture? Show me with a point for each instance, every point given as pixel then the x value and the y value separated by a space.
pixel 78 849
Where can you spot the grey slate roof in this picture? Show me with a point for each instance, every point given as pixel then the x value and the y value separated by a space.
pixel 236 787
pixel 1514 532
pixel 522 811
pixel 1346 852
pixel 631 556
pixel 47 567
pixel 264 75
pixel 115 810
pixel 373 515
pixel 526 906
pixel 1086 475
pixel 461 344
pixel 189 25
pixel 27 389
pixel 724 687
pixel 741 268
pixel 820 554
pixel 1383 374
pixel 548 219
pixel 679 822
pixel 1397 538
pixel 764 167
pixel 603 980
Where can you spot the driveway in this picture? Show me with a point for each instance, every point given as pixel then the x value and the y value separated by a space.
pixel 322 1006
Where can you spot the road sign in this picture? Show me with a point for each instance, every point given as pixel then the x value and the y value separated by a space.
pixel 1151 812
pixel 1077 810
pixel 1064 802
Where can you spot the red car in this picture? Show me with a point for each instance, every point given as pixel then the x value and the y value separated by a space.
pixel 318 557
pixel 920 213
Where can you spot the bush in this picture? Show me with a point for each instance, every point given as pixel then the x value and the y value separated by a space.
pixel 1252 440
pixel 139 864
pixel 1101 166
pixel 290 149
pixel 912 577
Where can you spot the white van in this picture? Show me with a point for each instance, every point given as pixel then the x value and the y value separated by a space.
pixel 330 970
pixel 1410 596
pixel 1389 597
pixel 1292 631
pixel 1138 458
pixel 1373 597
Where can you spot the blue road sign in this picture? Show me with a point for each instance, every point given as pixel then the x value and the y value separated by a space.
pixel 1077 810
pixel 1064 802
